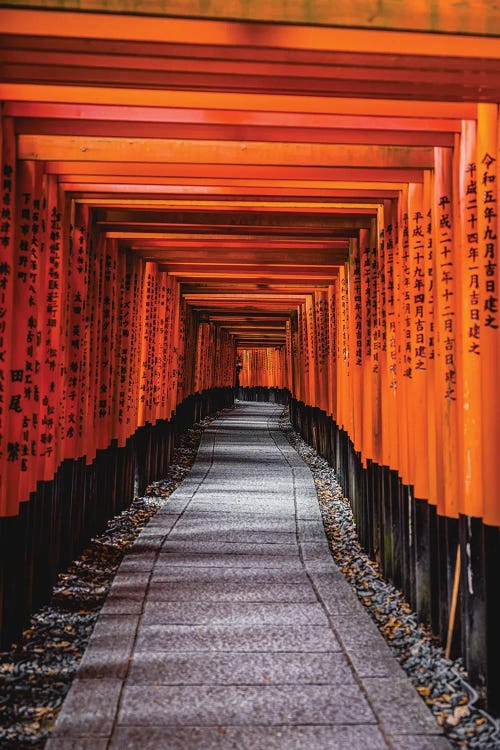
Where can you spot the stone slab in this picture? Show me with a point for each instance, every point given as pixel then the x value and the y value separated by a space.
pixel 418 742
pixel 319 737
pixel 163 571
pixel 193 559
pixel 223 590
pixel 76 743
pixel 183 638
pixel 399 707
pixel 233 613
pixel 109 648
pixel 233 535
pixel 229 548
pixel 220 705
pixel 89 708
pixel 264 668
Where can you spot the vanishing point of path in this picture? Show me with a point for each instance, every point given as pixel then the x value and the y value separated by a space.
pixel 229 626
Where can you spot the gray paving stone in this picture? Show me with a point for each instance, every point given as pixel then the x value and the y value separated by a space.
pixel 193 559
pixel 246 520
pixel 365 646
pixel 76 743
pixel 265 668
pixel 122 605
pixel 419 742
pixel 109 648
pixel 212 573
pixel 184 638
pixel 233 613
pixel 399 707
pixel 140 559
pixel 311 530
pixel 89 709
pixel 149 536
pixel 235 535
pixel 279 737
pixel 222 590
pixel 232 548
pixel 127 583
pixel 220 705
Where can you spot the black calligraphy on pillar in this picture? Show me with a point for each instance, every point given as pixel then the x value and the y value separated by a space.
pixel 473 268
pixel 5 285
pixel 406 294
pixel 390 315
pixel 429 285
pixel 446 272
pixel 489 241
pixel 419 283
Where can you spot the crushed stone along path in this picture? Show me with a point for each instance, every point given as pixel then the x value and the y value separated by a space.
pixel 229 626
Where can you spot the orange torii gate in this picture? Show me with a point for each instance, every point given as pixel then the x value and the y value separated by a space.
pixel 321 201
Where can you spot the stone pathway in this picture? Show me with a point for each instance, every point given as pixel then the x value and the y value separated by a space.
pixel 229 626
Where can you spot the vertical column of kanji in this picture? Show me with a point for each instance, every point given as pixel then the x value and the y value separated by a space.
pixel 366 304
pixel 64 446
pixel 118 276
pixel 172 362
pixel 295 361
pixel 161 369
pixel 469 376
pixel 182 348
pixel 106 344
pixel 24 356
pixel 447 329
pixel 176 346
pixel 344 406
pixel 145 387
pixel 312 349
pixel 137 274
pixel 220 356
pixel 417 388
pixel 197 384
pixel 355 394
pixel 190 353
pixel 323 347
pixel 303 354
pixel 429 337
pixel 376 227
pixel 9 451
pixel 203 354
pixel 124 352
pixel 403 336
pixel 288 355
pixel 332 333
pixel 153 351
pixel 489 278
pixel 211 372
pixel 209 379
pixel 53 346
pixel 380 354
pixel 390 426
pixel 383 362
pixel 95 302
pixel 78 357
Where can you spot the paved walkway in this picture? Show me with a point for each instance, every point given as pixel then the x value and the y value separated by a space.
pixel 229 626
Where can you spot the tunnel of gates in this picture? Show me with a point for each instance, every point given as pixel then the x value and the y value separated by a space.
pixel 305 212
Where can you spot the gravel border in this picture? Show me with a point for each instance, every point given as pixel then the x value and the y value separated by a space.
pixel 442 683
pixel 37 672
